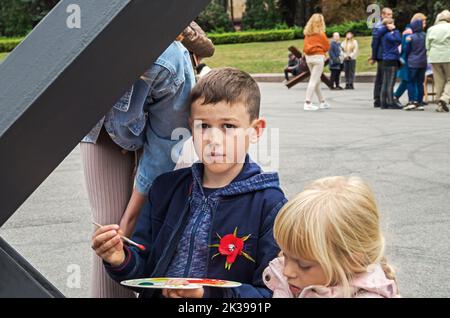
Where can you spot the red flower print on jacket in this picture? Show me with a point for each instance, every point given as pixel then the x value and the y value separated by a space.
pixel 232 246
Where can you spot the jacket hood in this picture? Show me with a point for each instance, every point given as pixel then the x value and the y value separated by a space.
pixel 250 179
pixel 417 26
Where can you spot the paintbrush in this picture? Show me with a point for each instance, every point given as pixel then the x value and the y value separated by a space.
pixel 126 239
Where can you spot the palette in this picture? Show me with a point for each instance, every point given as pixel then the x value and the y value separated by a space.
pixel 163 282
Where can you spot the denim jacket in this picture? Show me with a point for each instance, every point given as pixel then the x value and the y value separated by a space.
pixel 249 203
pixel 149 111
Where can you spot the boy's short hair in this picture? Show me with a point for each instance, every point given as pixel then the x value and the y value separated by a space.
pixel 386 10
pixel 387 21
pixel 230 85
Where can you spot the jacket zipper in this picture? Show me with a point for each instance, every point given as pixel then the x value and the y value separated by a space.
pixel 169 247
pixel 191 242
pixel 213 214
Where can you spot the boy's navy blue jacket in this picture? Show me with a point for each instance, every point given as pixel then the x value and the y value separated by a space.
pixel 390 43
pixel 416 48
pixel 250 203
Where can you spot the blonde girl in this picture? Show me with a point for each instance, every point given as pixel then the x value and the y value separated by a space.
pixel 331 244
pixel 350 49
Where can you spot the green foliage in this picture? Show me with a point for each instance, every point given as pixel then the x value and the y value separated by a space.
pixel 254 36
pixel 215 18
pixel 261 14
pixel 18 17
pixel 405 9
pixel 358 28
pixel 8 44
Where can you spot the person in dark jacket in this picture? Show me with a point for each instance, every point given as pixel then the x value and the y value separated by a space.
pixel 391 55
pixel 293 66
pixel 377 54
pixel 336 60
pixel 215 219
pixel 417 62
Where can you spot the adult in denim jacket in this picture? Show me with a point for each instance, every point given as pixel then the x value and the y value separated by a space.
pixel 143 118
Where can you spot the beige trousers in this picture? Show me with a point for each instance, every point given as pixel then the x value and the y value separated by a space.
pixel 109 181
pixel 441 75
pixel 316 64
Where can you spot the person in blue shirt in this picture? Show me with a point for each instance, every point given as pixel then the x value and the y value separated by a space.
pixel 214 219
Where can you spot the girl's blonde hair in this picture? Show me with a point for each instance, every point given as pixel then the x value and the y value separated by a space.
pixel 315 25
pixel 335 222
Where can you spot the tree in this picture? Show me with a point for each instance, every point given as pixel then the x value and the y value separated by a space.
pixel 340 11
pixel 215 18
pixel 261 14
pixel 297 12
pixel 18 17
pixel 405 9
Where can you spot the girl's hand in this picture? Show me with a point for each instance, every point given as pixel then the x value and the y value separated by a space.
pixel 182 293
pixel 108 245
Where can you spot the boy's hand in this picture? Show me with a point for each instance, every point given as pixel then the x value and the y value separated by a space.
pixel 107 244
pixel 182 293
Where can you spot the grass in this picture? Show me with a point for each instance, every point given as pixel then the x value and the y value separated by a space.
pixel 268 57
pixel 271 57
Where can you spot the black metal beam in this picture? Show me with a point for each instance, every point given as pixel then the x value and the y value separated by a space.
pixel 17 272
pixel 60 81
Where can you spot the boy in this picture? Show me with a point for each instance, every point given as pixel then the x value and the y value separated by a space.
pixel 391 56
pixel 215 219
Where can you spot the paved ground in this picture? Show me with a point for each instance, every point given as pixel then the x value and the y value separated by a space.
pixel 405 156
